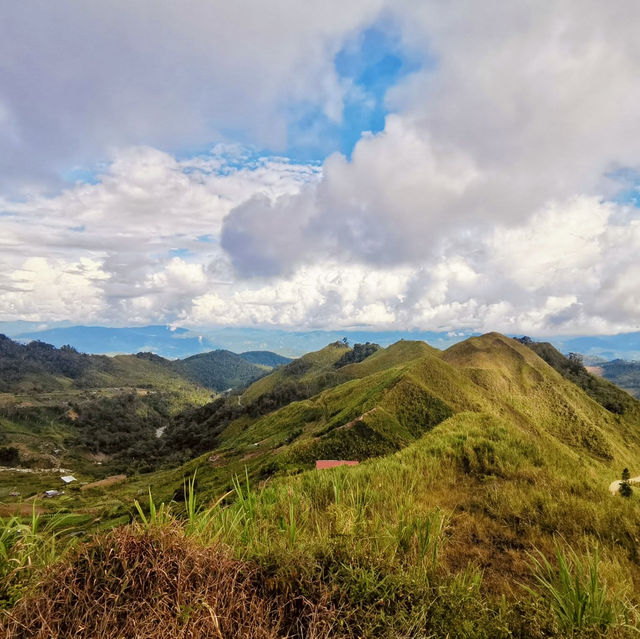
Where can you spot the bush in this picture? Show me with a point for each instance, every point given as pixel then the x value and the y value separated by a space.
pixel 9 456
pixel 625 485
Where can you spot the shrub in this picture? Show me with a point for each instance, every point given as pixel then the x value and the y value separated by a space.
pixel 625 485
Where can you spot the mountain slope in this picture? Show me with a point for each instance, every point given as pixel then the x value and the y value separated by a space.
pixel 392 399
pixel 604 391
pixel 306 375
pixel 218 370
pixel 265 358
pixel 40 367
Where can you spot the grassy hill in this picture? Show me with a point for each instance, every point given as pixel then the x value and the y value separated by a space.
pixel 624 374
pixel 604 391
pixel 309 373
pixel 480 507
pixel 219 370
pixel 265 358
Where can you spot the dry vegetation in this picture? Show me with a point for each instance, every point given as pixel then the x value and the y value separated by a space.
pixel 159 583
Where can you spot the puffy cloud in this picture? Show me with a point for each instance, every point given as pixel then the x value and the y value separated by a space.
pixel 485 203
pixel 78 80
pixel 151 223
pixel 55 289
pixel 523 105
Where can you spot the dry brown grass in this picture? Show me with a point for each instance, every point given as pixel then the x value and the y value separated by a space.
pixel 24 509
pixel 134 583
pixel 104 483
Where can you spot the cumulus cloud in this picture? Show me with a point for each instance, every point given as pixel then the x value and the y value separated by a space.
pixel 150 225
pixel 486 203
pixel 525 105
pixel 78 79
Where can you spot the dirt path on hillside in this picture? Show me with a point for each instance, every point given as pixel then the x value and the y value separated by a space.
pixel 614 485
pixel 352 423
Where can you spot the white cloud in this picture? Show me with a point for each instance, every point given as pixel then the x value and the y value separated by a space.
pixel 78 80
pixel 483 204
pixel 55 289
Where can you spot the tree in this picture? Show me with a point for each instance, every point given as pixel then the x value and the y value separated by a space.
pixel 576 362
pixel 625 485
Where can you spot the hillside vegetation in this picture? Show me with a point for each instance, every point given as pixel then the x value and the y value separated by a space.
pixel 606 393
pixel 480 509
pixel 39 367
pixel 62 408
pixel 623 374
pixel 218 370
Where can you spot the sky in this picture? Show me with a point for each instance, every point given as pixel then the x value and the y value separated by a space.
pixel 379 164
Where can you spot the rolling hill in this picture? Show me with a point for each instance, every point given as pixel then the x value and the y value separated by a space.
pixel 59 407
pixel 480 507
pixel 218 370
pixel 37 366
pixel 622 373
pixel 310 410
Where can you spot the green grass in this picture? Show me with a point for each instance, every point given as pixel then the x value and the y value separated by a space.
pixel 476 511
pixel 574 590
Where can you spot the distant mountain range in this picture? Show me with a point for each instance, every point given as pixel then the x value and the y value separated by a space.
pixel 176 343
pixel 38 366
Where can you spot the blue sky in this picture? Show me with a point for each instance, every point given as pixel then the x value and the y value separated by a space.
pixel 372 62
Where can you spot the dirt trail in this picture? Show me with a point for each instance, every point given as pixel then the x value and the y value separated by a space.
pixel 614 485
pixel 352 423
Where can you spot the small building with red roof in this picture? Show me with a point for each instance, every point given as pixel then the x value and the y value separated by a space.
pixel 323 464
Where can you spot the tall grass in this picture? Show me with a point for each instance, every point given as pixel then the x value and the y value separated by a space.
pixel 27 544
pixel 575 590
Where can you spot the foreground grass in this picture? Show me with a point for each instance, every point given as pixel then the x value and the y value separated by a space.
pixel 474 531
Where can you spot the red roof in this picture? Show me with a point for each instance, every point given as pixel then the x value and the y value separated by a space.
pixel 323 464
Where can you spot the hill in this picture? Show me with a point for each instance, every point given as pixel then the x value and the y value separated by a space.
pixel 39 367
pixel 59 407
pixel 606 392
pixel 624 374
pixel 309 410
pixel 265 358
pixel 480 507
pixel 218 370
